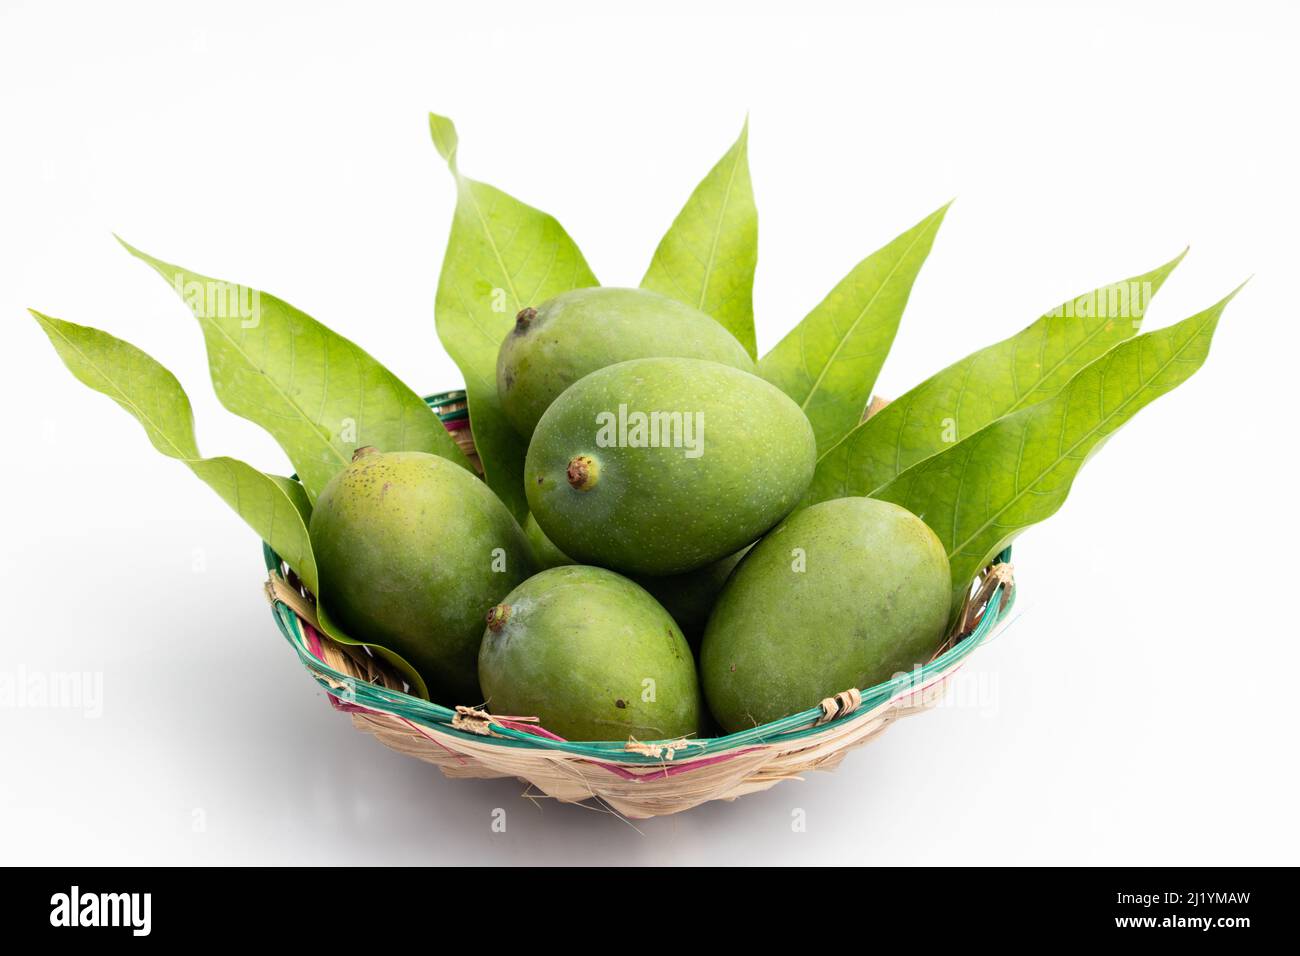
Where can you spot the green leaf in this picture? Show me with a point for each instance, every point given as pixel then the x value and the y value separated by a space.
pixel 984 490
pixel 1015 373
pixel 297 495
pixel 707 257
pixel 336 633
pixel 319 395
pixel 276 508
pixel 502 256
pixel 828 363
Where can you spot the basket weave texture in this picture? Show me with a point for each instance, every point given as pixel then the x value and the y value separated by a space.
pixel 637 779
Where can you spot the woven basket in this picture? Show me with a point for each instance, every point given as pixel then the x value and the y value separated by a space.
pixel 634 778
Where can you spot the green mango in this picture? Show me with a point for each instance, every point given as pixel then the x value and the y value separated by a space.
pixel 844 594
pixel 578 332
pixel 690 597
pixel 545 553
pixel 687 597
pixel 663 465
pixel 592 656
pixel 413 551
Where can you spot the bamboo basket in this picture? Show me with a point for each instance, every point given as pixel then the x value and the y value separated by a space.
pixel 637 779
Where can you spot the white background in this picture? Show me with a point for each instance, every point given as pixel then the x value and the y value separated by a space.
pixel 1139 710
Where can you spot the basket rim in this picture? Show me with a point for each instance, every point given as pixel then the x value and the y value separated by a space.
pixel 362 696
pixel 357 695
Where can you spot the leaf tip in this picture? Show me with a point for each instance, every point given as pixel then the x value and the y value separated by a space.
pixel 49 324
pixel 445 138
pixel 1157 276
pixel 1174 262
pixel 162 268
pixel 128 247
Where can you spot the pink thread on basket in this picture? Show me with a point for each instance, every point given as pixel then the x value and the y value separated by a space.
pixel 459 758
pixel 344 707
pixel 529 729
pixel 675 769
pixel 314 645
pixel 313 640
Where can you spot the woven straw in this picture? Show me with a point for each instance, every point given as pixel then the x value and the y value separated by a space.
pixel 637 779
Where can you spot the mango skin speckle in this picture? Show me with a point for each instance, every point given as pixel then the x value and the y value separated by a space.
pixel 657 510
pixel 413 551
pixel 871 600
pixel 578 332
pixel 593 656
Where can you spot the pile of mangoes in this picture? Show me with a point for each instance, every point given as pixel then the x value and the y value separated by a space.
pixel 664 574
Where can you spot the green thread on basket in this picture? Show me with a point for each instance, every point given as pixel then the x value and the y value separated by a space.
pixel 440 402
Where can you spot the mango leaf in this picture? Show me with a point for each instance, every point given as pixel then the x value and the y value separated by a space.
pixel 984 490
pixel 297 495
pixel 1022 370
pixel 276 508
pixel 319 395
pixel 331 628
pixel 828 363
pixel 272 506
pixel 503 256
pixel 707 257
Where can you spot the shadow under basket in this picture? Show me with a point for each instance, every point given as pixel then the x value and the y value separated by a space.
pixel 637 779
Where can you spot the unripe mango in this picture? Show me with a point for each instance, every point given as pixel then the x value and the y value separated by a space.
pixel 845 593
pixel 592 656
pixel 413 551
pixel 545 553
pixel 690 597
pixel 663 465
pixel 578 332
